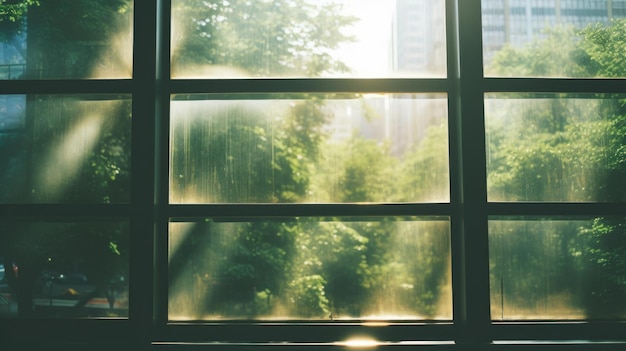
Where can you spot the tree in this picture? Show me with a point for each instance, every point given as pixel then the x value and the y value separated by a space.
pixel 98 250
pixel 76 39
pixel 76 149
pixel 425 170
pixel 570 150
pixel 256 148
pixel 12 14
pixel 258 38
pixel 606 238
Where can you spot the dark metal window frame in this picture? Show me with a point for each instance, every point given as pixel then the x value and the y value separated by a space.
pixel 149 211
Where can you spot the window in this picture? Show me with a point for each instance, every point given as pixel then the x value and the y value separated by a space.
pixel 186 174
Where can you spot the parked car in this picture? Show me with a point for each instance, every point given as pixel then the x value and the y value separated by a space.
pixel 53 284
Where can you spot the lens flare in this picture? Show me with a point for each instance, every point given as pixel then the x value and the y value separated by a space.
pixel 360 342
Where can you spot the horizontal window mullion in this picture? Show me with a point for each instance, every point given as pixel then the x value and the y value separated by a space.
pixel 555 209
pixel 224 86
pixel 314 210
pixel 112 86
pixel 558 331
pixel 561 85
pixel 302 332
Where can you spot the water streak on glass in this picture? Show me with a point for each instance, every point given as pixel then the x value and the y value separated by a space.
pixel 555 147
pixel 315 148
pixel 557 268
pixel 65 148
pixel 307 38
pixel 375 269
pixel 66 39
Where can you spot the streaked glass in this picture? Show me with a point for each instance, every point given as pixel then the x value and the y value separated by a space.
pixel 309 148
pixel 308 38
pixel 65 148
pixel 555 147
pixel 565 268
pixel 310 269
pixel 66 39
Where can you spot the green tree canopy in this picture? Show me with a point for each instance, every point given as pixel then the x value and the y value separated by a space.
pixel 566 148
pixel 261 38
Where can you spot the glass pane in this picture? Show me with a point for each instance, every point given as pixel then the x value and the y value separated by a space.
pixel 65 148
pixel 554 38
pixel 555 147
pixel 557 268
pixel 308 38
pixel 12 112
pixel 313 269
pixel 77 39
pixel 314 148
pixel 64 269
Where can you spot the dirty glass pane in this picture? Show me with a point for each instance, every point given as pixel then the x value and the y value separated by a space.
pixel 555 147
pixel 65 148
pixel 557 268
pixel 315 148
pixel 554 38
pixel 64 269
pixel 308 38
pixel 58 39
pixel 310 268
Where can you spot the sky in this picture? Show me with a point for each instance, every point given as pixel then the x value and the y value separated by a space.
pixel 369 55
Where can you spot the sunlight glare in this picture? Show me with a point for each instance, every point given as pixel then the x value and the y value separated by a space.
pixel 372 32
pixel 116 58
pixel 360 342
pixel 63 163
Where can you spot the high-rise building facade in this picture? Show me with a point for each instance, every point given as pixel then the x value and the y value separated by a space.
pixel 516 22
pixel 418 43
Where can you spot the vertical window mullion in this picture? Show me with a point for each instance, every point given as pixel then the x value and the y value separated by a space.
pixel 162 148
pixel 474 321
pixel 142 173
pixel 455 162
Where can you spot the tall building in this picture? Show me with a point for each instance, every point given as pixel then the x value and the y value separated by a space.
pixel 419 45
pixel 418 42
pixel 516 22
pixel 418 49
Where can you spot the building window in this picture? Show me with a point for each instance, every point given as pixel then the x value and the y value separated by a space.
pixel 206 174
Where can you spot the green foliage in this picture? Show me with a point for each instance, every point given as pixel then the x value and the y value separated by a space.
pixel 100 250
pixel 262 38
pixel 355 170
pixel 596 51
pixel 565 148
pixel 69 38
pixel 246 154
pixel 309 297
pixel 602 253
pixel 604 45
pixel 556 54
pixel 12 16
pixel 425 170
pixel 98 169
pixel 322 268
pixel 560 166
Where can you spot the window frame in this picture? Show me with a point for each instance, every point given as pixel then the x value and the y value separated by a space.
pixel 469 211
